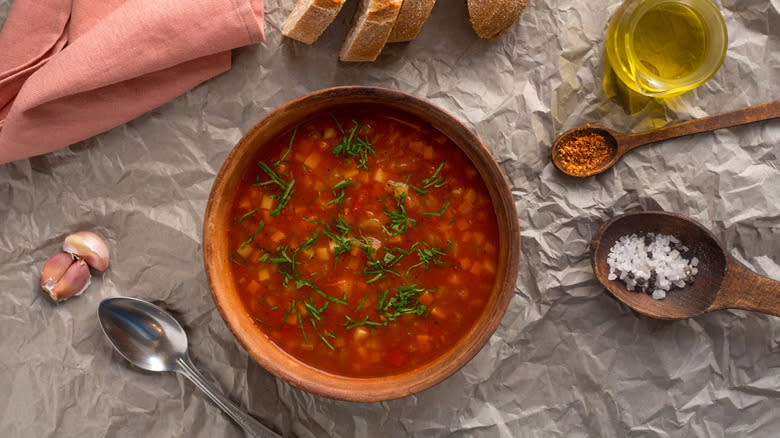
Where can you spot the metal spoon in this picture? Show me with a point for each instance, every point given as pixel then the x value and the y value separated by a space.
pixel 620 143
pixel 722 282
pixel 152 339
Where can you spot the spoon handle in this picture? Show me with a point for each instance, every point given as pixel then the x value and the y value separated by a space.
pixel 251 426
pixel 755 113
pixel 744 289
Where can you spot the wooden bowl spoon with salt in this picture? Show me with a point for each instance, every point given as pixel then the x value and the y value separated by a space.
pixel 721 283
pixel 613 144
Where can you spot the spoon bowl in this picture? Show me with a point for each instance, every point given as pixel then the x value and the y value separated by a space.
pixel 620 143
pixel 722 282
pixel 142 333
pixel 152 339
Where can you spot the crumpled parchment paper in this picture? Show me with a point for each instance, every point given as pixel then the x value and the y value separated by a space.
pixel 567 359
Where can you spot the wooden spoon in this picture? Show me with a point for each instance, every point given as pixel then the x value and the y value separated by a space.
pixel 620 143
pixel 722 282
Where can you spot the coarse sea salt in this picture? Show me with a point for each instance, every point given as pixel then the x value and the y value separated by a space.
pixel 651 263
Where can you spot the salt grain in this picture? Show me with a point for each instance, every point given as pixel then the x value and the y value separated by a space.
pixel 651 263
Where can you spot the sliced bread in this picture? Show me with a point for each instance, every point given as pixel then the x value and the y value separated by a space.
pixel 491 18
pixel 371 25
pixel 309 18
pixel 410 20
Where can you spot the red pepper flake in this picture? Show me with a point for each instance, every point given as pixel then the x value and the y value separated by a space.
pixel 581 153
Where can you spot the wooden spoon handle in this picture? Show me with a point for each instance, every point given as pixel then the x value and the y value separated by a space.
pixel 744 289
pixel 755 113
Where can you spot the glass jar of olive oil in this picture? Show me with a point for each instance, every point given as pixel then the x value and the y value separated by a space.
pixel 665 47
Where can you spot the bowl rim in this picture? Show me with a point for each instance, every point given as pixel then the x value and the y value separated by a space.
pixel 277 361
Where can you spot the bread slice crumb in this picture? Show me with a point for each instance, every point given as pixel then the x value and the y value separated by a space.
pixel 410 20
pixel 371 26
pixel 491 18
pixel 309 18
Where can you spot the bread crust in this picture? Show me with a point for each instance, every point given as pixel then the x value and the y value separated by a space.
pixel 309 18
pixel 491 18
pixel 371 25
pixel 410 20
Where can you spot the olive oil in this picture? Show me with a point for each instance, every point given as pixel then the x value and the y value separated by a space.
pixel 664 47
pixel 669 41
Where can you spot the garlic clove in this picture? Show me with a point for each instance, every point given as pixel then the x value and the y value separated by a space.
pixel 88 246
pixel 54 269
pixel 75 281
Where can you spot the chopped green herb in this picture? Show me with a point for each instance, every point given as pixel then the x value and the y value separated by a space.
pixel 313 310
pixel 286 262
pixel 438 213
pixel 299 283
pixel 404 302
pixel 343 244
pixel 350 323
pixel 284 156
pixel 263 257
pixel 246 216
pixel 381 304
pixel 339 197
pixel 286 187
pixel 360 305
pixel 343 184
pixel 317 330
pixel 429 255
pixel 399 219
pixel 433 181
pixel 300 324
pixel 317 222
pixel 352 146
pixel 261 321
pixel 342 225
pixel 310 241
pixel 237 259
pixel 252 237
pixel 337 122
pixel 379 268
pixel 287 313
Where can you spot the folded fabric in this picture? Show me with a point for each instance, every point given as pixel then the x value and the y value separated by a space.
pixel 70 69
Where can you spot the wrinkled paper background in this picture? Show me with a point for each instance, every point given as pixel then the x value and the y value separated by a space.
pixel 567 359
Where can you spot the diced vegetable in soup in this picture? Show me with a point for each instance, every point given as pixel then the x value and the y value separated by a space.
pixel 364 242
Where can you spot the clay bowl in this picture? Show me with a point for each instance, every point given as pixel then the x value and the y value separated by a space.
pixel 271 357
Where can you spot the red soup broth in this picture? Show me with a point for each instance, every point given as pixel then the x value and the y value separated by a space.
pixel 364 242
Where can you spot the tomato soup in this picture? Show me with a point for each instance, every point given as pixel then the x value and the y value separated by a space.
pixel 364 242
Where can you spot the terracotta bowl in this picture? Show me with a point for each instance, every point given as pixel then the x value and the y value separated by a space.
pixel 271 357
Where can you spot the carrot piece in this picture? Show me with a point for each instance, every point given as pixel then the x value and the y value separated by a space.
pixel 426 298
pixel 253 287
pixel 322 253
pixel 438 312
pixel 263 275
pixel 313 160
pixel 244 251
pixel 329 133
pixel 277 236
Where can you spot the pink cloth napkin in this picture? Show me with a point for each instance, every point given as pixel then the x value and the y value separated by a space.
pixel 70 69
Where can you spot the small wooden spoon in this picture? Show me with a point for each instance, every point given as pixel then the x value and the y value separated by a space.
pixel 620 143
pixel 722 282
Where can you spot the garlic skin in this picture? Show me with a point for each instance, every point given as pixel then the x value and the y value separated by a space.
pixel 73 281
pixel 54 269
pixel 88 246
